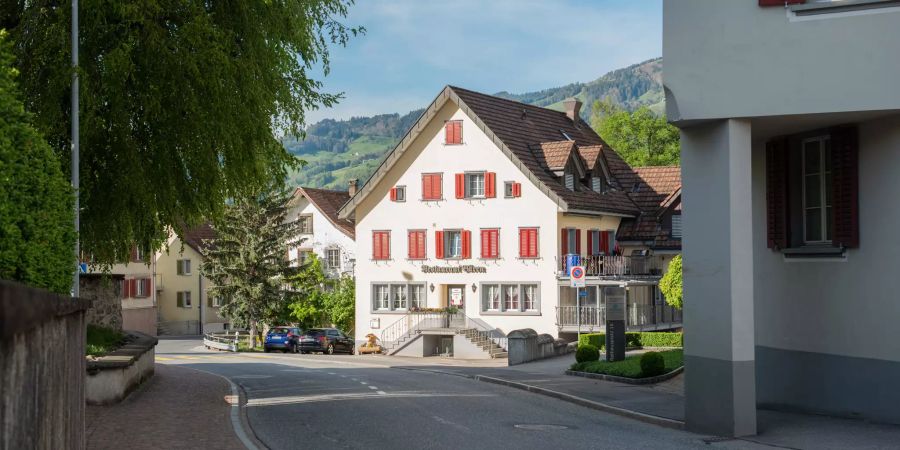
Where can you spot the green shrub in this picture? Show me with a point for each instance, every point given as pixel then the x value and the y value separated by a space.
pixel 631 366
pixel 596 339
pixel 587 353
pixel 102 340
pixel 636 339
pixel 652 364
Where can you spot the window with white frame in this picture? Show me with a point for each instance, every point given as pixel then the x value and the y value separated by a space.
pixel 382 297
pixel 417 296
pixel 475 185
pixel 529 297
pixel 570 181
pixel 508 188
pixel 332 258
pixel 676 226
pixel 183 267
pixel 303 256
pixel 817 189
pixel 397 296
pixel 490 294
pixel 510 298
pixel 306 223
pixel 143 287
pixel 452 244
pixel 216 301
pixel 400 193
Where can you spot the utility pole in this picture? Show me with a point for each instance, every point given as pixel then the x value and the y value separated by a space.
pixel 75 147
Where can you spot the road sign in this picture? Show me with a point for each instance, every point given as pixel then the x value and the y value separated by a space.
pixel 83 267
pixel 576 276
pixel 582 293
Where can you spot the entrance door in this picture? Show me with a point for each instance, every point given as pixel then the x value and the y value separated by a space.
pixel 456 297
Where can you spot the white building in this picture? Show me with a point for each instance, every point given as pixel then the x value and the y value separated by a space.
pixel 330 237
pixel 477 207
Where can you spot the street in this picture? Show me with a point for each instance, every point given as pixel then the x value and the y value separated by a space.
pixel 347 401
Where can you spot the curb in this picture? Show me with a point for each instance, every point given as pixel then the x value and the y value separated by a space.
pixel 636 381
pixel 647 418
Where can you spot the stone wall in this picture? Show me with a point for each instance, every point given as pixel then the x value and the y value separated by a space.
pixel 105 294
pixel 42 369
pixel 526 345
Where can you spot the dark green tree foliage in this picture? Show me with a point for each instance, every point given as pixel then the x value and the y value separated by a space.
pixel 180 102
pixel 672 282
pixel 322 301
pixel 247 265
pixel 640 137
pixel 340 304
pixel 37 237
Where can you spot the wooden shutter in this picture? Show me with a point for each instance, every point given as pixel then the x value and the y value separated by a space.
pixel 484 244
pixel 376 245
pixel 179 299
pixel 494 243
pixel 590 243
pixel 523 242
pixel 777 203
pixel 532 243
pixel 439 244
pixel 426 187
pixel 460 185
pixel 490 188
pixel 466 244
pixel 132 287
pixel 780 2
pixel 436 187
pixel 604 242
pixel 393 194
pixel 577 241
pixel 421 245
pixel 385 245
pixel 564 241
pixel 845 182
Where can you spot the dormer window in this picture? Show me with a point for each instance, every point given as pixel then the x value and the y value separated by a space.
pixel 597 184
pixel 570 181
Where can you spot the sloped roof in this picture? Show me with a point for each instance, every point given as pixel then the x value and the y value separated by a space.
pixel 653 189
pixel 590 154
pixel 555 154
pixel 200 238
pixel 329 203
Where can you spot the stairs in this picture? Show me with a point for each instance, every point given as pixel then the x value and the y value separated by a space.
pixel 482 340
pixel 389 348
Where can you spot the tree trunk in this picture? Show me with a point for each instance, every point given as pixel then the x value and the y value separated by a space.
pixel 252 334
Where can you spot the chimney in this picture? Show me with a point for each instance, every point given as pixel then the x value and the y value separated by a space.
pixel 351 188
pixel 573 108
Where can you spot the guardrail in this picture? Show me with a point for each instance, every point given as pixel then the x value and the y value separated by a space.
pixel 229 342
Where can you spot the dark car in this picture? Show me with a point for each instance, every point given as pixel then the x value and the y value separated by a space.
pixel 285 339
pixel 326 340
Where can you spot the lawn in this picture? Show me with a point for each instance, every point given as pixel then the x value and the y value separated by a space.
pixel 102 340
pixel 631 366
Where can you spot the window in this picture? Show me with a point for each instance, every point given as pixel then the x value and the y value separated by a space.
pixel 453 132
pixel 490 294
pixel 136 254
pixel 215 301
pixel 432 186
pixel 453 244
pixel 601 242
pixel 332 258
pixel 183 299
pixel 597 184
pixel 143 287
pixel 475 185
pixel 305 223
pixel 398 296
pixel 528 242
pixel 511 297
pixel 529 297
pixel 571 241
pixel 490 243
pixel 570 181
pixel 511 189
pixel 817 190
pixel 398 194
pixel 303 256
pixel 676 226
pixel 381 245
pixel 416 244
pixel 183 267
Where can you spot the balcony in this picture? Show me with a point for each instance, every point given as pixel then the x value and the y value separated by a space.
pixel 614 267
pixel 637 318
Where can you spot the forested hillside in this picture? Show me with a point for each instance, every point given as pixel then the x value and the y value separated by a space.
pixel 338 150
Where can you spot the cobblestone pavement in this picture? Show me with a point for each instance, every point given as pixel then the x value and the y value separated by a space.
pixel 179 408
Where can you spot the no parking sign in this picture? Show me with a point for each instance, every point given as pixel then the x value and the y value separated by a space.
pixel 576 276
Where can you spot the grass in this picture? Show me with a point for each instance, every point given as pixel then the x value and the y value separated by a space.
pixel 102 340
pixel 631 366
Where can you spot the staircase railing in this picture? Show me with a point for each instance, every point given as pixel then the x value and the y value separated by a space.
pixel 483 331
pixel 412 321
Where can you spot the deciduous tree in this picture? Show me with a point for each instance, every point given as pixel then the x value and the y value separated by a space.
pixel 671 282
pixel 640 137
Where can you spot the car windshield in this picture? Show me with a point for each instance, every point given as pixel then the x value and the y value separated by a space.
pixel 314 332
pixel 279 331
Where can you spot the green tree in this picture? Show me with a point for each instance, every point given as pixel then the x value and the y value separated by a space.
pixel 37 237
pixel 246 264
pixel 181 102
pixel 308 308
pixel 670 284
pixel 640 137
pixel 340 304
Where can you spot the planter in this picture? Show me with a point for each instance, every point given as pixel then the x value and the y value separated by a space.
pixel 110 378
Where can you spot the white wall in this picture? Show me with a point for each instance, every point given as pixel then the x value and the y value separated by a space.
pixel 325 235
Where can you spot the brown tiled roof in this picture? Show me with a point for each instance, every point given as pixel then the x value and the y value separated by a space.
pixel 200 238
pixel 590 154
pixel 653 189
pixel 329 202
pixel 555 154
pixel 520 127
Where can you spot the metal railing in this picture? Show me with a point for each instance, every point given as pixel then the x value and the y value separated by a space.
pixel 637 316
pixel 612 265
pixel 224 340
pixel 412 322
pixel 482 330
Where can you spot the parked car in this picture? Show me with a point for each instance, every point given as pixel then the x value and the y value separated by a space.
pixel 326 340
pixel 285 339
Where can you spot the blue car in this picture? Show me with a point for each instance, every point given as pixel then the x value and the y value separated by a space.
pixel 285 339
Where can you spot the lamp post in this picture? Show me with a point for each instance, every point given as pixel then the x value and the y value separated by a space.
pixel 75 146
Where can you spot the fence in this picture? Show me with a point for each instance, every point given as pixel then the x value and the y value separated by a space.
pixel 42 340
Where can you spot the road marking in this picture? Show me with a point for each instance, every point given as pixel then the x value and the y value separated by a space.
pixel 381 393
pixel 373 387
pixel 160 358
pixel 343 376
pixel 363 382
pixel 330 373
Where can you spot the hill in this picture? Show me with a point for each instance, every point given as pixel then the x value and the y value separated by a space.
pixel 338 150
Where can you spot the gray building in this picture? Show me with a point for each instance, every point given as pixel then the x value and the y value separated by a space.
pixel 790 125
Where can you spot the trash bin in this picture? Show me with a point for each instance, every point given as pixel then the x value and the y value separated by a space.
pixel 572 260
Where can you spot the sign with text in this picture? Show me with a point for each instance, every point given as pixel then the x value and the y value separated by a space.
pixel 615 340
pixel 454 269
pixel 456 296
pixel 615 303
pixel 576 276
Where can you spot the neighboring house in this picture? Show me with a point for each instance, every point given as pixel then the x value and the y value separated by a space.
pixel 790 130
pixel 137 289
pixel 324 233
pixel 484 205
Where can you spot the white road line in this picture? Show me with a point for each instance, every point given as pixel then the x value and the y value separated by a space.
pixel 363 382
pixel 381 393
pixel 373 387
pixel 330 373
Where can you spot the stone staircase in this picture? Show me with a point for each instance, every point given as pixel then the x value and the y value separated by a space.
pixel 482 340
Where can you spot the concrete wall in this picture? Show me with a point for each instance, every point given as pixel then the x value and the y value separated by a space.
pixel 41 391
pixel 105 295
pixel 735 59
pixel 140 319
pixel 112 377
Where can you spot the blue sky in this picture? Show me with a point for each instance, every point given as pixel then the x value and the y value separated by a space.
pixel 412 48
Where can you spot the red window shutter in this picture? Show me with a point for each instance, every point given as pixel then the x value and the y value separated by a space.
pixel 426 187
pixel 466 244
pixel 494 246
pixel 421 244
pixel 523 243
pixel 411 245
pixel 517 189
pixel 590 243
pixel 448 133
pixel 385 245
pixel 436 187
pixel 460 185
pixel 125 289
pixel 485 253
pixel 376 245
pixel 457 130
pixel 604 242
pixel 439 244
pixel 490 189
pixel 577 241
pixel 564 240
pixel 393 194
pixel 845 182
pixel 132 287
pixel 532 243
pixel 777 203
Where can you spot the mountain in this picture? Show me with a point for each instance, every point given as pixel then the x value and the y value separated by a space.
pixel 338 150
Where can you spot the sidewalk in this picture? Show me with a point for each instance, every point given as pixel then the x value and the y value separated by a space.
pixel 178 408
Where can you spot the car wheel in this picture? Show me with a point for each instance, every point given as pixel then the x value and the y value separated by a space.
pixel 330 349
pixel 352 350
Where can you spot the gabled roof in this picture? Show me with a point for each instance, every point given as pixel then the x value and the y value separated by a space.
pixel 515 128
pixel 200 238
pixel 555 154
pixel 590 154
pixel 329 203
pixel 655 190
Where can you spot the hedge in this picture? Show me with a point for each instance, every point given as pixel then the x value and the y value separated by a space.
pixel 637 339
pixel 587 353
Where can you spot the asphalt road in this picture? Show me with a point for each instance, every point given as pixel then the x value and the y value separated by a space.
pixel 318 401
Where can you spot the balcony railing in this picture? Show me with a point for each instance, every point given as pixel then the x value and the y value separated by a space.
pixel 637 317
pixel 612 266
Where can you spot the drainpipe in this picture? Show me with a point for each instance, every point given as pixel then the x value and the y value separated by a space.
pixel 200 298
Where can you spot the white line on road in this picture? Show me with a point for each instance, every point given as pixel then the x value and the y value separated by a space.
pixel 363 382
pixel 373 387
pixel 381 393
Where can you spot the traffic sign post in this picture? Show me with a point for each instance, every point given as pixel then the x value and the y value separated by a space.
pixel 576 278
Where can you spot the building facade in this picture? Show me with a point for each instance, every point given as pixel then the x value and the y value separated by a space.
pixel 481 208
pixel 790 126
pixel 323 232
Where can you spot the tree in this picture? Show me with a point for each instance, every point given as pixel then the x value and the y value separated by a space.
pixel 308 308
pixel 640 137
pixel 340 304
pixel 246 262
pixel 37 230
pixel 670 284
pixel 181 102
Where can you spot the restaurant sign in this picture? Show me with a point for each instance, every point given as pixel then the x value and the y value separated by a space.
pixel 454 269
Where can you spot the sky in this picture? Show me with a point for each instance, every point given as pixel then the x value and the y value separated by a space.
pixel 413 48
